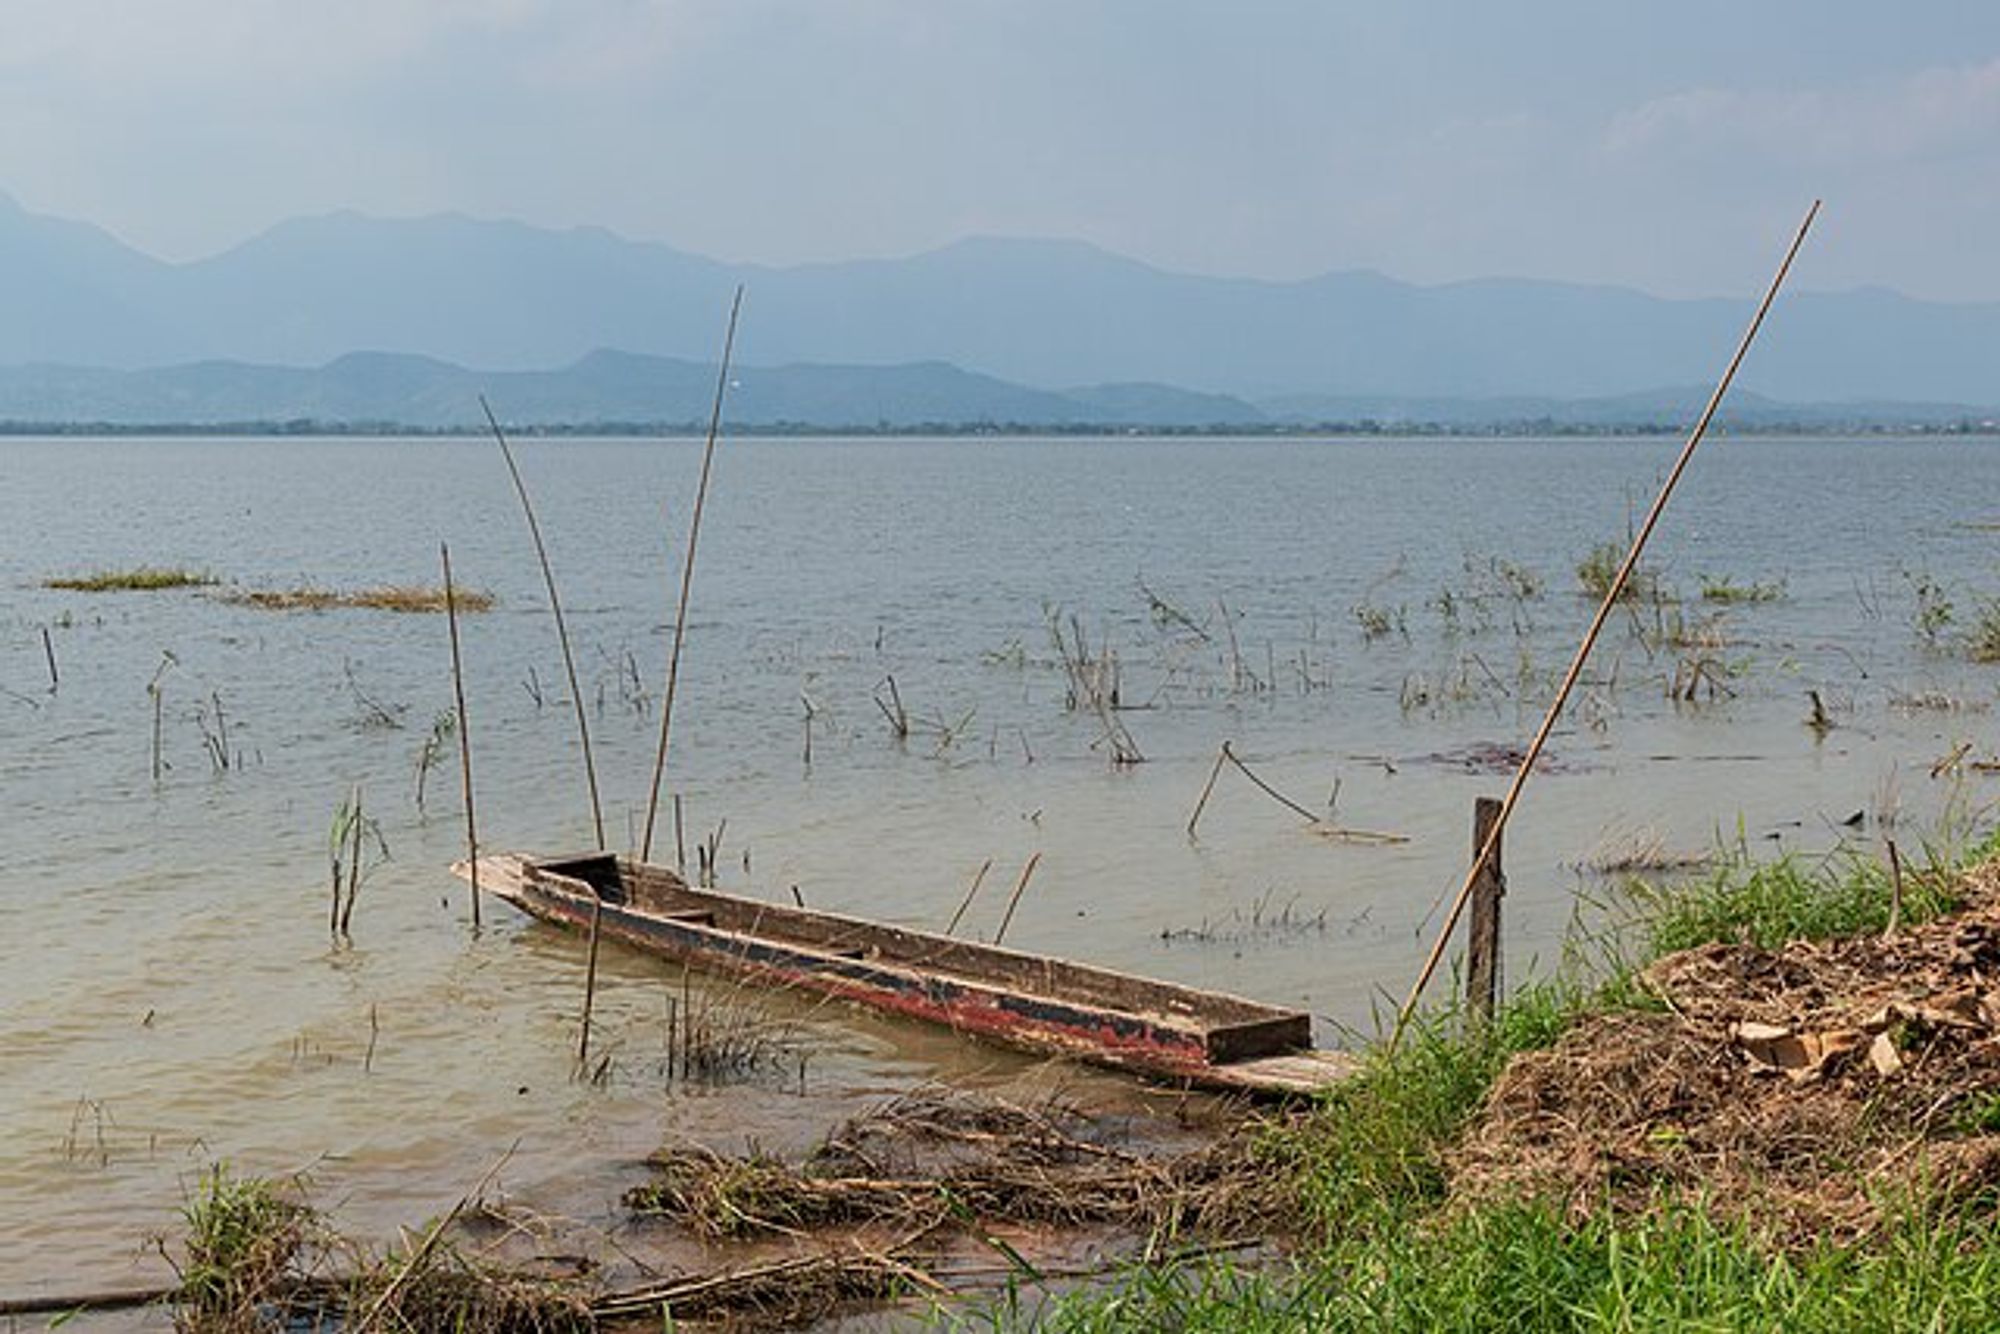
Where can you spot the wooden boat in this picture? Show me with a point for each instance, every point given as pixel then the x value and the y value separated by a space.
pixel 1156 1029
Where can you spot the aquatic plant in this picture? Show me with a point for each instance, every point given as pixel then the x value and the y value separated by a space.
pixel 140 579
pixel 405 598
pixel 1722 588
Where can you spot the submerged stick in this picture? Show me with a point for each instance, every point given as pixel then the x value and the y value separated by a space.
pixel 970 894
pixel 1007 918
pixel 1318 824
pixel 1201 803
pixel 49 651
pixel 687 579
pixel 1604 610
pixel 555 609
pixel 464 734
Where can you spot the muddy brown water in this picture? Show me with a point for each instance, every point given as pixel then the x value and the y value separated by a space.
pixel 169 996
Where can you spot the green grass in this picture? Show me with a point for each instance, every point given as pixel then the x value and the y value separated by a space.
pixel 242 1236
pixel 1380 1247
pixel 1721 588
pixel 141 579
pixel 1792 898
pixel 1523 1267
pixel 1596 572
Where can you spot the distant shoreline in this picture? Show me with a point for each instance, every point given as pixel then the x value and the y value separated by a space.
pixel 1536 429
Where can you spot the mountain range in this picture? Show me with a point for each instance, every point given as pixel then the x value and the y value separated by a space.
pixel 982 330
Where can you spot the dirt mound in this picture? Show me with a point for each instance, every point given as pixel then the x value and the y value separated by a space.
pixel 1802 1087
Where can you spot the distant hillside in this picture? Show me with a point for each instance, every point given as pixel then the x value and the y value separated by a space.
pixel 621 391
pixel 1045 314
pixel 604 388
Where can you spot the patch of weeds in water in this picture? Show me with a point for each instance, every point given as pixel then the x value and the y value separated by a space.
pixel 1722 588
pixel 1597 571
pixel 1983 639
pixel 1378 621
pixel 1265 922
pixel 140 579
pixel 402 598
pixel 1932 612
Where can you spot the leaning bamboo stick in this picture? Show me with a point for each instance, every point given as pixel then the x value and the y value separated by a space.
pixel 555 609
pixel 464 734
pixel 687 579
pixel 1604 609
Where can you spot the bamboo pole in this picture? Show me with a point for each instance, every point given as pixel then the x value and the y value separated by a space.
pixel 464 733
pixel 1014 900
pixel 555 609
pixel 970 895
pixel 1604 609
pixel 687 579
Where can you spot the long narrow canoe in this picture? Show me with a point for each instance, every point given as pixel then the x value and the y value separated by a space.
pixel 1156 1029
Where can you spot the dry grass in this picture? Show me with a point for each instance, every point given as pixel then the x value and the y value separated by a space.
pixel 931 1159
pixel 405 598
pixel 142 579
pixel 1799 1088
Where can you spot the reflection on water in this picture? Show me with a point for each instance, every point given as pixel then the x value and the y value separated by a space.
pixel 1358 616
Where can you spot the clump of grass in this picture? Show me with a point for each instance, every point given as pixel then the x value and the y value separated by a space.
pixel 1766 903
pixel 140 579
pixel 1983 641
pixel 244 1236
pixel 1597 571
pixel 1377 621
pixel 1722 588
pixel 1933 613
pixel 405 598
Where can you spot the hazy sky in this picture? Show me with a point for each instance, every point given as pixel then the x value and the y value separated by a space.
pixel 1667 146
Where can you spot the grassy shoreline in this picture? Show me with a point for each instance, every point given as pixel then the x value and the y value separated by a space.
pixel 1385 1241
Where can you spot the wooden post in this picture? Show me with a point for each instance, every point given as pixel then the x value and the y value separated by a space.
pixel 1482 954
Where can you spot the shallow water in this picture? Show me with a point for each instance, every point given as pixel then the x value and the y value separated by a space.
pixel 168 992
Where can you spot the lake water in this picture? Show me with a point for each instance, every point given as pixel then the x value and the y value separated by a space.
pixel 169 994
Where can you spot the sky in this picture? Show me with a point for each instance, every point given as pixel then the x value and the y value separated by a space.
pixel 1670 148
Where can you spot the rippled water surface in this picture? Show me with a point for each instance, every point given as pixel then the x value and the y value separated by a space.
pixel 169 995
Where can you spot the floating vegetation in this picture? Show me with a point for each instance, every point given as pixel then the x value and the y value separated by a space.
pixel 407 598
pixel 141 579
pixel 1722 588
pixel 1379 622
pixel 1983 641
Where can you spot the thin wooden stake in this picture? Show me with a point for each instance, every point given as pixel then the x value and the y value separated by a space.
pixel 1208 787
pixel 1482 951
pixel 590 979
pixel 464 733
pixel 1604 610
pixel 970 894
pixel 680 840
pixel 49 651
pixel 1895 890
pixel 555 609
pixel 687 579
pixel 1014 900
